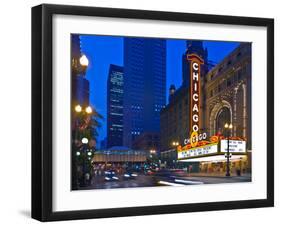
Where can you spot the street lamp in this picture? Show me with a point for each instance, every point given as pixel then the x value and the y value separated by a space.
pixel 81 120
pixel 84 62
pixel 85 140
pixel 175 143
pixel 78 108
pixel 228 128
pixel 88 110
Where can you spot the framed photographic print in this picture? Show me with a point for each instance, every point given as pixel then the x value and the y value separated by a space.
pixel 146 112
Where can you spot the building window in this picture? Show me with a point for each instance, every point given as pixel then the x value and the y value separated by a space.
pixel 239 75
pixel 238 55
pixel 229 82
pixel 219 87
pixel 211 93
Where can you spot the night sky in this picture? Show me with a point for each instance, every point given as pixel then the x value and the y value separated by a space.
pixel 104 50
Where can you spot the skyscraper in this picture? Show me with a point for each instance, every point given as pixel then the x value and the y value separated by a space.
pixel 193 46
pixel 144 86
pixel 115 106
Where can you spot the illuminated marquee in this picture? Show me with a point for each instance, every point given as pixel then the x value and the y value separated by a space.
pixel 214 146
pixel 198 151
pixel 234 146
pixel 195 72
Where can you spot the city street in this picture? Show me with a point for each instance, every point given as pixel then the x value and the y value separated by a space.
pixel 165 178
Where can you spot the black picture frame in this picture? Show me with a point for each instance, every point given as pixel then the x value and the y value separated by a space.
pixel 42 111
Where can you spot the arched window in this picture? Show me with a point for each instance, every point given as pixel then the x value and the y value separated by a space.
pixel 223 117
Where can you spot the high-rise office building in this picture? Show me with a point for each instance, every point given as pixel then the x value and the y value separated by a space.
pixel 144 86
pixel 115 91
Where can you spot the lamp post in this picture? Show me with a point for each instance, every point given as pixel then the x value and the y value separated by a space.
pixel 84 62
pixel 80 116
pixel 228 128
pixel 84 156
pixel 174 144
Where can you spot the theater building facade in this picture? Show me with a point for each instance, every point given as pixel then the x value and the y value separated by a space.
pixel 225 97
pixel 228 99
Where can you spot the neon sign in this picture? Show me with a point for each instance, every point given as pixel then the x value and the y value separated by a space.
pixel 195 72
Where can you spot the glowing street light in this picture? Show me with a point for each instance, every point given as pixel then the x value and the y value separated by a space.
pixel 85 140
pixel 78 108
pixel 88 110
pixel 228 127
pixel 84 61
pixel 175 143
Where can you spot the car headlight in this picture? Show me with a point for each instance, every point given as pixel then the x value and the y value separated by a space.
pixel 107 178
pixel 134 175
pixel 126 175
pixel 116 178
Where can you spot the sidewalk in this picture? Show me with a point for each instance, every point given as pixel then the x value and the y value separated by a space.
pixel 220 175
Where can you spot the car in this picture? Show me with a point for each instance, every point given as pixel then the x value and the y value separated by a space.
pixel 165 175
pixel 129 175
pixel 148 172
pixel 110 175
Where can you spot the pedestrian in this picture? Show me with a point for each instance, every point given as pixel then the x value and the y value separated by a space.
pixel 238 171
pixel 87 178
pixel 190 169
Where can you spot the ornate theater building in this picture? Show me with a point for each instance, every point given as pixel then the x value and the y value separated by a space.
pixel 218 104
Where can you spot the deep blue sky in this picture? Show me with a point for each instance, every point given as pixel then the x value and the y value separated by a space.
pixel 104 50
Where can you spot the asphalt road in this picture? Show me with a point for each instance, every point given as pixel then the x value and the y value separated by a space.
pixel 141 180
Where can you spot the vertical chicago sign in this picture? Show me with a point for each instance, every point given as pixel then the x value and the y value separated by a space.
pixel 195 65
